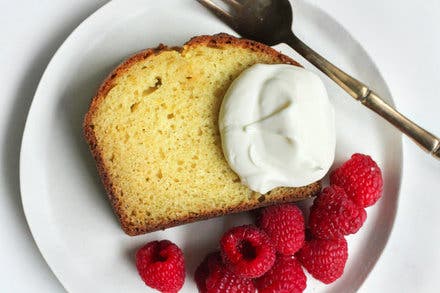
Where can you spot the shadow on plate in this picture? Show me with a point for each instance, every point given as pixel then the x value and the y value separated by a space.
pixel 72 108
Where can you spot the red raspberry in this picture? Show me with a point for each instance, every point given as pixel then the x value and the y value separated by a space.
pixel 202 271
pixel 247 251
pixel 324 259
pixel 334 215
pixel 212 277
pixel 161 265
pixel 361 179
pixel 284 224
pixel 286 275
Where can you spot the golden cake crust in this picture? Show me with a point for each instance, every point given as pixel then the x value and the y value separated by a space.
pixel 280 195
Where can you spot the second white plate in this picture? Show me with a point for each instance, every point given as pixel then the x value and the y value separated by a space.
pixel 64 202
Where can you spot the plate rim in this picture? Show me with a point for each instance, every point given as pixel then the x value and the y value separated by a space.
pixel 25 206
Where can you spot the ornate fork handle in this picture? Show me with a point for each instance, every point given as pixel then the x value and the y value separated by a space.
pixel 368 98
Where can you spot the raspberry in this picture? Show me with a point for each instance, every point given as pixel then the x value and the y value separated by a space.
pixel 284 224
pixel 161 265
pixel 203 270
pixel 361 179
pixel 247 251
pixel 212 277
pixel 334 215
pixel 324 259
pixel 286 275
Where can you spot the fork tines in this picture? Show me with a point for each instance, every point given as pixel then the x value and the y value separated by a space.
pixel 220 12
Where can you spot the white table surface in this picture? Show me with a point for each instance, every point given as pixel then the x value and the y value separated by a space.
pixel 402 36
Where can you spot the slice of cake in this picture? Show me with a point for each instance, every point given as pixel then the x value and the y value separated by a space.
pixel 153 130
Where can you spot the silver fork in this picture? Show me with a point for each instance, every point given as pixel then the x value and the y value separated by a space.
pixel 270 22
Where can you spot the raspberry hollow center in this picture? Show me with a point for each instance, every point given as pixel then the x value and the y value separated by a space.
pixel 159 257
pixel 247 250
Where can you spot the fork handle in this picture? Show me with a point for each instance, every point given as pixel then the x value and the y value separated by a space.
pixel 367 97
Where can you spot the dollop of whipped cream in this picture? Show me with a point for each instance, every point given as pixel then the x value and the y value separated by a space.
pixel 277 127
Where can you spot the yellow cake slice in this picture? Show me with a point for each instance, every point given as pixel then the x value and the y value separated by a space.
pixel 153 130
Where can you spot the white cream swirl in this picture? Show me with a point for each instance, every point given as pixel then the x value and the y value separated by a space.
pixel 277 127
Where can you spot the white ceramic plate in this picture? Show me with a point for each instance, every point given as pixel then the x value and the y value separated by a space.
pixel 64 202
